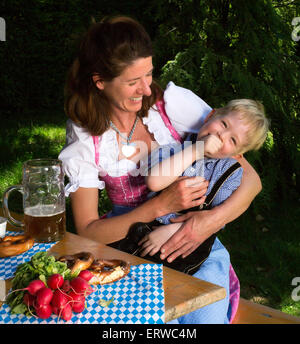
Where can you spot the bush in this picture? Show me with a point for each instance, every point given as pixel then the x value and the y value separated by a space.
pixel 240 49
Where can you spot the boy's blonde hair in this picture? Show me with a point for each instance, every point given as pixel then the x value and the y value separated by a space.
pixel 252 112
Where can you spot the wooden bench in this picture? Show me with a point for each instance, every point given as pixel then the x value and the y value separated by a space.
pixel 254 313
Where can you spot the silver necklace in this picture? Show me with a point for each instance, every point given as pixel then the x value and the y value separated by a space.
pixel 128 148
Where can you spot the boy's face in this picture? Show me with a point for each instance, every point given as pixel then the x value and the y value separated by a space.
pixel 230 129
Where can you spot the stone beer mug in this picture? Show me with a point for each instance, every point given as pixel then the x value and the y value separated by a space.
pixel 43 200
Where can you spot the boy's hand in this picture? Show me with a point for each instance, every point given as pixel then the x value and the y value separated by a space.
pixel 212 144
pixel 152 242
pixel 196 228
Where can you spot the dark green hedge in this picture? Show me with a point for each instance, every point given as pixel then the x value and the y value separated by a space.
pixel 220 49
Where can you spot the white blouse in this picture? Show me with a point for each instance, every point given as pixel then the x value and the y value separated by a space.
pixel 185 110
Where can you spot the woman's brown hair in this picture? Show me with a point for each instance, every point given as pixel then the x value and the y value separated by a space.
pixel 105 51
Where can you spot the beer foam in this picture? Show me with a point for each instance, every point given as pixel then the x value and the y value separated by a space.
pixel 3 222
pixel 44 210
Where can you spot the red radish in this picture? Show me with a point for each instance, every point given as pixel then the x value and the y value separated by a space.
pixel 78 306
pixel 66 286
pixel 77 301
pixel 28 299
pixel 34 286
pixel 66 312
pixel 55 281
pixel 86 275
pixel 43 311
pixel 73 296
pixel 56 310
pixel 44 296
pixel 59 299
pixel 81 286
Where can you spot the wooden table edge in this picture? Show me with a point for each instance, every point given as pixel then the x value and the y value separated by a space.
pixel 172 312
pixel 197 302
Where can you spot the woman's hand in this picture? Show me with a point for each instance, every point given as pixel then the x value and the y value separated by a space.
pixel 184 193
pixel 196 228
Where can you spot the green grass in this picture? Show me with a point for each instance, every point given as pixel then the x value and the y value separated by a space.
pixel 264 253
pixel 22 139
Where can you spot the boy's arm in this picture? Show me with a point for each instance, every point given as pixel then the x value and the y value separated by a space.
pixel 169 169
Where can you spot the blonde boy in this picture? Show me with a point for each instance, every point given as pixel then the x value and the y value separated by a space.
pixel 227 133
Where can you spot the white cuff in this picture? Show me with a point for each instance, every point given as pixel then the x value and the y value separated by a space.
pixel 89 183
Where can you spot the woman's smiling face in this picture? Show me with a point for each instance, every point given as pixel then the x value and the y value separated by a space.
pixel 127 90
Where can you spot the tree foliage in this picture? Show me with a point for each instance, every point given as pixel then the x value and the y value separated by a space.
pixel 242 49
pixel 220 49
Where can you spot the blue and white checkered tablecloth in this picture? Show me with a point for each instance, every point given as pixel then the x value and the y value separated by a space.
pixel 9 265
pixel 138 298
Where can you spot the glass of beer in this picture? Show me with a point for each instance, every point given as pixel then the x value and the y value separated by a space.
pixel 43 200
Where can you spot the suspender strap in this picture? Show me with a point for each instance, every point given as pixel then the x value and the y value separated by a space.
pixel 210 197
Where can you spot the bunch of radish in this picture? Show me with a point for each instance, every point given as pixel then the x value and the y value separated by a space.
pixel 59 296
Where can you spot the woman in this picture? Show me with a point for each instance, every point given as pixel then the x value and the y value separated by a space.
pixel 110 99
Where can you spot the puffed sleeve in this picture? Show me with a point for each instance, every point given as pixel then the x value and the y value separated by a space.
pixel 185 109
pixel 78 160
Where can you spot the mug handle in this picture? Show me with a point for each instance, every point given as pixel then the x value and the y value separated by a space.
pixel 6 211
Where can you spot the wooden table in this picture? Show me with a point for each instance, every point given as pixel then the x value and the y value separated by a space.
pixel 183 293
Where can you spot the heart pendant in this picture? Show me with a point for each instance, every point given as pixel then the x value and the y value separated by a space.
pixel 128 150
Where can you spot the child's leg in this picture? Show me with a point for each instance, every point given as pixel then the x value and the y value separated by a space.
pixel 215 270
pixel 152 242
